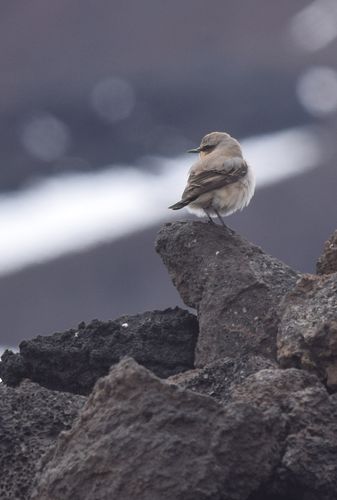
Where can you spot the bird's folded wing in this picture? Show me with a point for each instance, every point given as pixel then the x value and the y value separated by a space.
pixel 210 179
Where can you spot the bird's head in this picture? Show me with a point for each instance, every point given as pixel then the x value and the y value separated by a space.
pixel 213 141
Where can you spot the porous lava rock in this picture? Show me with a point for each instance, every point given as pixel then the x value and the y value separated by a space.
pixel 31 418
pixel 233 284
pixel 236 427
pixel 308 465
pixel 327 262
pixel 307 336
pixel 140 438
pixel 163 341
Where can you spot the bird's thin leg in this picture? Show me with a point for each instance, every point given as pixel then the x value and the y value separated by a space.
pixel 209 217
pixel 219 217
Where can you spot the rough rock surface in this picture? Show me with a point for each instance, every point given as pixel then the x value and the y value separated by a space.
pixel 31 417
pixel 233 284
pixel 308 467
pixel 139 438
pixel 327 263
pixel 236 428
pixel 163 341
pixel 307 335
pixel 217 378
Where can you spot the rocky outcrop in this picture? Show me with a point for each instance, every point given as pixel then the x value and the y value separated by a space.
pixel 163 341
pixel 307 335
pixel 327 263
pixel 239 426
pixel 308 465
pixel 233 284
pixel 31 417
pixel 140 438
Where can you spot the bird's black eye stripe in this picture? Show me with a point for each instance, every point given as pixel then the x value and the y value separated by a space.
pixel 207 147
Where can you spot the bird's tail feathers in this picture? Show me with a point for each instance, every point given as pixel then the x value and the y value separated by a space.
pixel 179 205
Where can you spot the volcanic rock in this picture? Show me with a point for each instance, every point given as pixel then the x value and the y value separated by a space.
pixel 327 263
pixel 233 284
pixel 163 341
pixel 139 438
pixel 308 467
pixel 307 335
pixel 31 417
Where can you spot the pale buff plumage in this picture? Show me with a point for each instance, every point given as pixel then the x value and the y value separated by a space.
pixel 221 182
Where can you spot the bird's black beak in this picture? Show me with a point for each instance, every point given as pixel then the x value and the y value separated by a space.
pixel 196 150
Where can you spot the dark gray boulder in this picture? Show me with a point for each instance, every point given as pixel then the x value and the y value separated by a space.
pixel 163 341
pixel 307 336
pixel 233 284
pixel 139 438
pixel 308 464
pixel 31 418
pixel 327 262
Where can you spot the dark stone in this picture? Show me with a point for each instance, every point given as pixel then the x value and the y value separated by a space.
pixel 217 378
pixel 139 438
pixel 163 341
pixel 233 284
pixel 31 418
pixel 307 335
pixel 12 368
pixel 327 263
pixel 308 466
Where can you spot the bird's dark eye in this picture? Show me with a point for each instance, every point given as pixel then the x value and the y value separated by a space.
pixel 207 147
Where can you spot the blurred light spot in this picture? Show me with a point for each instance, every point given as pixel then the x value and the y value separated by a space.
pixel 113 99
pixel 317 90
pixel 315 26
pixel 45 137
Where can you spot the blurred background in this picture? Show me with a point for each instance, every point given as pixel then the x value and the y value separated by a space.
pixel 99 102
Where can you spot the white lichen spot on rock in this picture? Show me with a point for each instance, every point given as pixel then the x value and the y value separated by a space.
pixel 125 325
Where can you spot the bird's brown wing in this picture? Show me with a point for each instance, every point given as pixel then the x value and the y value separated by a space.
pixel 208 180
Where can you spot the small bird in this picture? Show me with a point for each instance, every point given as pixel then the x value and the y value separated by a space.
pixel 220 182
